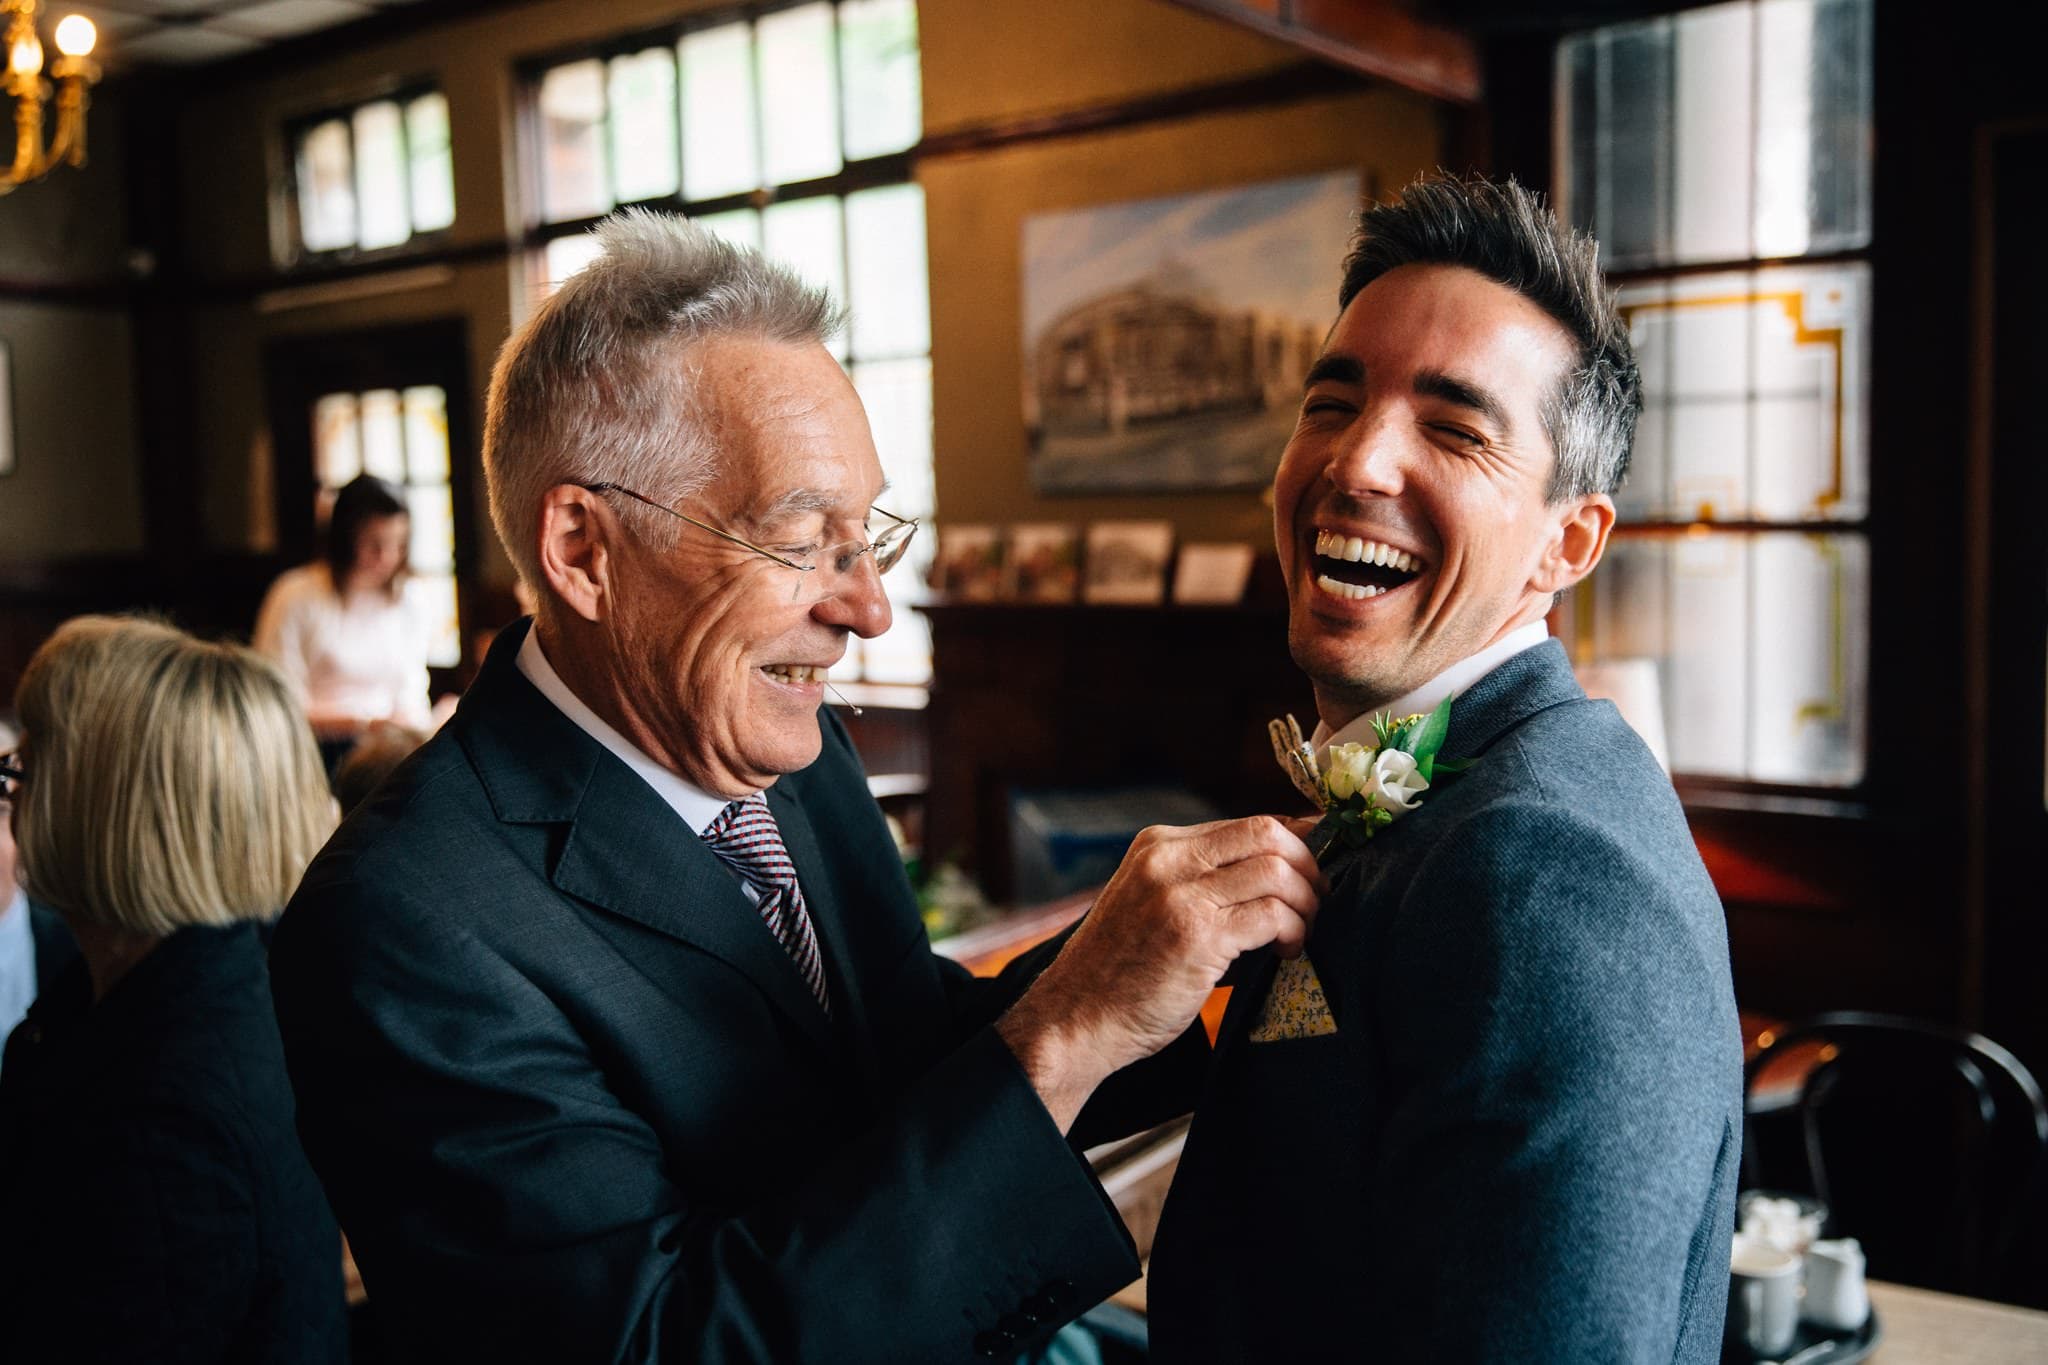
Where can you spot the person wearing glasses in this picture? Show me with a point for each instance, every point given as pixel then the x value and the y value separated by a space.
pixel 155 1203
pixel 615 1030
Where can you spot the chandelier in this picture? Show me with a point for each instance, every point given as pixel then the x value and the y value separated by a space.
pixel 73 71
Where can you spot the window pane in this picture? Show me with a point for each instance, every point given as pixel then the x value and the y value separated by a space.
pixel 381 190
pixel 327 188
pixel 643 119
pixel 433 166
pixel 383 435
pixel 878 61
pixel 433 529
pixel 426 434
pixel 898 397
pixel 567 255
pixel 720 148
pixel 1729 132
pixel 1755 391
pixel 1714 172
pixel 741 227
pixel 574 180
pixel 890 298
pixel 807 236
pixel 435 594
pixel 799 95
pixel 1842 125
pixel 1759 641
pixel 337 440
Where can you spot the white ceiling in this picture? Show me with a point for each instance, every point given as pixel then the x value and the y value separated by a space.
pixel 137 33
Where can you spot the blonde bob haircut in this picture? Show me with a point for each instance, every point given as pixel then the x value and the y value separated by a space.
pixel 170 782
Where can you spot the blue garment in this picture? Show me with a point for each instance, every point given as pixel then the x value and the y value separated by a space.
pixel 17 963
pixel 1521 1141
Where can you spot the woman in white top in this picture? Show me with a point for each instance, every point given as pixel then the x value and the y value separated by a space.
pixel 345 630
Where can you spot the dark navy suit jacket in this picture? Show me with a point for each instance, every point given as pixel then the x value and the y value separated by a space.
pixel 1521 1142
pixel 573 1102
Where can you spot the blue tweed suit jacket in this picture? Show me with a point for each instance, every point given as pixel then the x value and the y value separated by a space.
pixel 1521 1142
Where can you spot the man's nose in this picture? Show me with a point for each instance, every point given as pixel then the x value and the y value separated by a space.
pixel 1371 460
pixel 860 604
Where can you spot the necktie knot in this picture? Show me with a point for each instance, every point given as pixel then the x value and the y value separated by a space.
pixel 746 839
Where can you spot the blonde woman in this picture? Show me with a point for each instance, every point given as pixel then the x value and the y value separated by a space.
pixel 154 1203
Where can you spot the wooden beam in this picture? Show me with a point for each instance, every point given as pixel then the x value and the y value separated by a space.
pixel 1380 38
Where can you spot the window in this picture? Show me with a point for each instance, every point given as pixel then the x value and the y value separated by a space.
pixel 1722 157
pixel 400 435
pixel 789 130
pixel 372 177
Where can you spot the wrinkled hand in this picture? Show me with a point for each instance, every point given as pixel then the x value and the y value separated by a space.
pixel 1184 904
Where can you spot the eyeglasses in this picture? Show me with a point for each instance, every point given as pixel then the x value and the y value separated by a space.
pixel 831 565
pixel 11 775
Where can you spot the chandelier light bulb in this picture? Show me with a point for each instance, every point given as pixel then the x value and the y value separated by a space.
pixel 26 56
pixel 76 35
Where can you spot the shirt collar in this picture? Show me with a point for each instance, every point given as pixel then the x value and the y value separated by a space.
pixel 697 807
pixel 1424 699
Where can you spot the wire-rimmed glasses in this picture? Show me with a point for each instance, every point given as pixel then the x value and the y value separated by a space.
pixel 831 566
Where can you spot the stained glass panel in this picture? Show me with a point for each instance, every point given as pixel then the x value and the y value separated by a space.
pixel 382 195
pixel 327 187
pixel 721 144
pixel 878 63
pixel 575 181
pixel 643 125
pixel 1760 641
pixel 890 296
pixel 383 435
pixel 337 440
pixel 799 94
pixel 426 434
pixel 432 160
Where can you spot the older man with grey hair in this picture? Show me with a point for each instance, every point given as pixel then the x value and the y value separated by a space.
pixel 1494 1112
pixel 613 1023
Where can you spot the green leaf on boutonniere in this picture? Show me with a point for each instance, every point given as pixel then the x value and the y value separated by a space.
pixel 1428 737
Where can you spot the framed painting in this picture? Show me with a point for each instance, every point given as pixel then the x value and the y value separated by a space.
pixel 1166 340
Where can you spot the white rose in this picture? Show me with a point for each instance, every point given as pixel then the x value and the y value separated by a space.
pixel 1347 769
pixel 1393 784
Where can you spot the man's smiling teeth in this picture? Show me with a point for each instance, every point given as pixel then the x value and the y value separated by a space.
pixel 1355 591
pixel 795 673
pixel 1356 551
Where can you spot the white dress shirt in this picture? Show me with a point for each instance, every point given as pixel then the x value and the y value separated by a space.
pixel 1425 698
pixel 364 656
pixel 697 807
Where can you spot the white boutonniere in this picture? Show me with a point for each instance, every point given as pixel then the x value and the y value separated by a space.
pixel 1363 788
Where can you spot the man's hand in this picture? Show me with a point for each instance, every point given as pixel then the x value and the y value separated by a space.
pixel 1181 907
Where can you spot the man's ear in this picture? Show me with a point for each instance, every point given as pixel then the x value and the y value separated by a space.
pixel 575 548
pixel 1579 540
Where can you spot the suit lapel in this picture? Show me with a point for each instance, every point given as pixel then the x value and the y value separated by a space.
pixel 625 850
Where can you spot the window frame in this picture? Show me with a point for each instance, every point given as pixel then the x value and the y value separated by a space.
pixel 293 251
pixel 1713 788
pixel 854 176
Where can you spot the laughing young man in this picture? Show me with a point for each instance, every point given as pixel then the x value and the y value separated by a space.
pixel 1502 1120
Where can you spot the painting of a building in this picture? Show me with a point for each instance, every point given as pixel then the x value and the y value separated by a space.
pixel 1167 340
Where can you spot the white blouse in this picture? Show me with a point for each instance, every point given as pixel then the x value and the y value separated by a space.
pixel 364 657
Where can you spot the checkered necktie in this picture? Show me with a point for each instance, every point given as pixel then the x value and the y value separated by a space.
pixel 745 838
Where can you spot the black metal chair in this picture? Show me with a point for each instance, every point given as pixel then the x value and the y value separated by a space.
pixel 1928 1144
